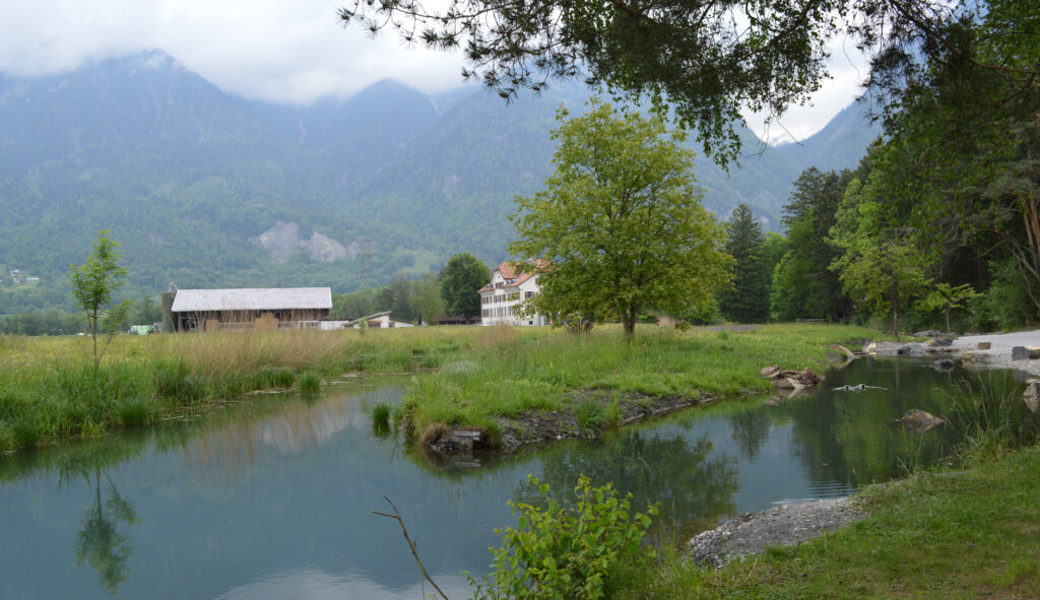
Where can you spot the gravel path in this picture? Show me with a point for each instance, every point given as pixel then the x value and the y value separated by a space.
pixel 999 354
pixel 785 525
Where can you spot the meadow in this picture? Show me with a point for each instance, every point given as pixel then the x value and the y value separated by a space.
pixel 464 375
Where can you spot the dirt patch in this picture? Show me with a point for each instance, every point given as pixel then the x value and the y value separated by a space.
pixel 785 525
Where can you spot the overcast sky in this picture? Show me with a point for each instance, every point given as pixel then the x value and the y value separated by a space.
pixel 286 51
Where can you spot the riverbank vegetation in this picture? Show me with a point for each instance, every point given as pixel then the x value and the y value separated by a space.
pixel 938 533
pixel 468 375
pixel 560 372
pixel 964 528
pixel 53 390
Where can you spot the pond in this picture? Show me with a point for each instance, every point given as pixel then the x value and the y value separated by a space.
pixel 274 499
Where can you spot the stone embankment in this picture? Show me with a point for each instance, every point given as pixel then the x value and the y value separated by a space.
pixel 1019 351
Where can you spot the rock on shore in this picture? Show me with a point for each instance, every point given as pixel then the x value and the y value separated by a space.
pixel 785 525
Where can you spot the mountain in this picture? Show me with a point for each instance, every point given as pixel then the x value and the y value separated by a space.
pixel 208 189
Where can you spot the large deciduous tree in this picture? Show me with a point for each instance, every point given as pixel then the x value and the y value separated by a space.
pixel 93 284
pixel 881 267
pixel 460 280
pixel 748 300
pixel 620 222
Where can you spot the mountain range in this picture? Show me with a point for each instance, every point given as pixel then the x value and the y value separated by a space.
pixel 208 189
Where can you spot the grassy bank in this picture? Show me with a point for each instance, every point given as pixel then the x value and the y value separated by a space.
pixel 51 389
pixel 470 374
pixel 948 534
pixel 511 376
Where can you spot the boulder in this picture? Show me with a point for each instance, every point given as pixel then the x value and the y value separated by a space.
pixel 791 380
pixel 972 358
pixel 1032 397
pixel 943 364
pixel 929 333
pixel 1025 353
pixel 940 342
pixel 920 421
pixel 895 348
pixel 849 354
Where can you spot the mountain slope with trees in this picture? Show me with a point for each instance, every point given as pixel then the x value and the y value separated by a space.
pixel 188 178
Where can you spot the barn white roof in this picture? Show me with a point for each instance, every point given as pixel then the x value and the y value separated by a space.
pixel 316 298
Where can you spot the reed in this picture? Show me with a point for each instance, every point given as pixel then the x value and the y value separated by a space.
pixel 467 375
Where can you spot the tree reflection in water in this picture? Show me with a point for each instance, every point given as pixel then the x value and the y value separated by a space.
pixel 692 487
pixel 100 542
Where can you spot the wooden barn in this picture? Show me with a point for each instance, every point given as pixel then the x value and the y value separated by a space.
pixel 250 308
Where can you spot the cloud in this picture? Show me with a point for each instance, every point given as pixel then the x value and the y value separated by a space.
pixel 290 52
pixel 285 51
pixel 848 67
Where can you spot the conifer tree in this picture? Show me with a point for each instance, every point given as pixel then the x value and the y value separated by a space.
pixel 748 300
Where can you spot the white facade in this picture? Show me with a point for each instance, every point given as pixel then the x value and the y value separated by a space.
pixel 502 299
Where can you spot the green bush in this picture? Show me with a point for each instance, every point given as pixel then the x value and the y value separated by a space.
pixel 310 382
pixel 27 431
pixel 274 377
pixel 590 419
pixel 555 553
pixel 381 418
pixel 134 411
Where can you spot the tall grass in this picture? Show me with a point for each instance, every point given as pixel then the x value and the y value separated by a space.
pixel 469 375
pixel 508 376
pixel 992 420
pixel 52 390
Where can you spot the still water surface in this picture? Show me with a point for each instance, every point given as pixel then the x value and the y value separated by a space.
pixel 275 500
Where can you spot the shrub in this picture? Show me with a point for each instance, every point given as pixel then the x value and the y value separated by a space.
pixel 27 431
pixel 275 377
pixel 134 411
pixel 590 419
pixel 310 382
pixel 381 418
pixel 558 553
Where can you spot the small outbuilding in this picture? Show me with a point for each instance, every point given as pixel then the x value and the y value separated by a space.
pixel 250 308
pixel 379 320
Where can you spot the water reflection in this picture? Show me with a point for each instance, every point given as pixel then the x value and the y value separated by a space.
pixel 229 447
pixel 273 499
pixel 100 542
pixel 691 483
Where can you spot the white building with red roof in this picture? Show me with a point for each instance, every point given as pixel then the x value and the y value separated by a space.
pixel 502 299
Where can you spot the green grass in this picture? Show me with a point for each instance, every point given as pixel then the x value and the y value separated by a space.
pixel 973 533
pixel 511 375
pixel 467 375
pixel 52 391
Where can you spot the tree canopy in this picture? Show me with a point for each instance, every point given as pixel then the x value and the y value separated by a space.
pixel 706 58
pixel 93 284
pixel 460 279
pixel 619 222
pixel 748 300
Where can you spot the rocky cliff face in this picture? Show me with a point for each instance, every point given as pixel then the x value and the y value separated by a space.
pixel 283 240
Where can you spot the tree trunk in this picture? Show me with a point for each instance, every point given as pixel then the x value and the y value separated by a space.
pixel 628 321
pixel 93 336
